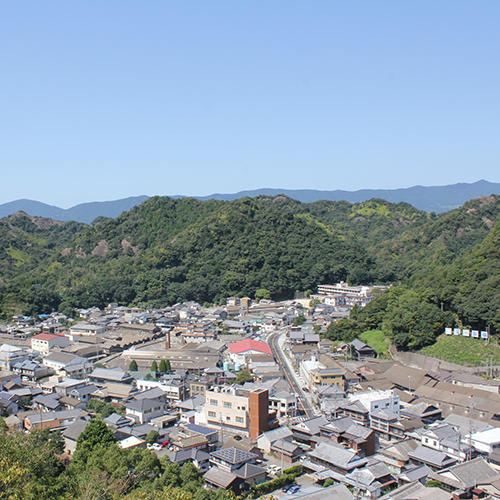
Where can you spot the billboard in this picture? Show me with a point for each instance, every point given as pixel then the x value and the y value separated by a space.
pixel 475 334
pixel 466 333
pixel 457 331
pixel 448 331
pixel 484 335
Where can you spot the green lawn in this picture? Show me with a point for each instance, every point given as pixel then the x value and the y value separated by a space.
pixel 375 339
pixel 464 350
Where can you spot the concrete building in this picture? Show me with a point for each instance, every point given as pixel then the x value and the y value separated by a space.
pixel 44 342
pixel 238 409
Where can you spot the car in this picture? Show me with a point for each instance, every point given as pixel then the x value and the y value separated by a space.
pixel 293 489
pixel 285 488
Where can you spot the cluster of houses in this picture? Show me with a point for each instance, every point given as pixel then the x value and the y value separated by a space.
pixel 361 427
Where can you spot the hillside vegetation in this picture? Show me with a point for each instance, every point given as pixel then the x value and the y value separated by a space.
pixel 165 250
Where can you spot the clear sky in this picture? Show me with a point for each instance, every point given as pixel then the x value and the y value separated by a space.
pixel 102 100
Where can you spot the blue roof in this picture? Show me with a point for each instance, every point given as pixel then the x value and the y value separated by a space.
pixel 199 429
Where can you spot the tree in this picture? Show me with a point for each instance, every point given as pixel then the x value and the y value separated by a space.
pixel 152 437
pixel 243 376
pixel 95 435
pixel 262 293
pixel 133 366
pixel 154 366
pixel 299 320
pixel 165 366
pixel 328 482
pixel 101 408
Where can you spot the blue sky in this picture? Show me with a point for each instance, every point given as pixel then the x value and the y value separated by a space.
pixel 102 100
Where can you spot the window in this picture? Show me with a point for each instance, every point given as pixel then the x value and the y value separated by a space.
pixel 213 402
pixel 212 414
pixel 239 420
pixel 227 404
pixel 243 408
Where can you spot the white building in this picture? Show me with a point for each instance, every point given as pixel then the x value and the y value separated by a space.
pixel 486 441
pixel 378 400
pixel 44 342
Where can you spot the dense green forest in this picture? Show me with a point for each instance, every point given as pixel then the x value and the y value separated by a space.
pixel 444 268
pixel 32 467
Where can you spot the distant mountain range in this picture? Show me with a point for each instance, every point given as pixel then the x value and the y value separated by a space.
pixel 429 198
pixel 84 212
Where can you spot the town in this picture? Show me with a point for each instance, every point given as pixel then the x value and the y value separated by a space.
pixel 257 398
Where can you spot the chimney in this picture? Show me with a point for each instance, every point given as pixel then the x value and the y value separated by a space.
pixel 167 342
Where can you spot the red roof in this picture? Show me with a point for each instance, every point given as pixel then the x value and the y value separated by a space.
pixel 46 336
pixel 249 345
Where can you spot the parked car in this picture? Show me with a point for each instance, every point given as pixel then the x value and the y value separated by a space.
pixel 293 489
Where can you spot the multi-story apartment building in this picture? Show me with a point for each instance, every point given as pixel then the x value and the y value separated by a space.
pixel 239 409
pixel 44 342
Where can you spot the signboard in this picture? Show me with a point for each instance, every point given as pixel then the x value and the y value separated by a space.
pixel 457 331
pixel 466 333
pixel 448 331
pixel 484 335
pixel 475 334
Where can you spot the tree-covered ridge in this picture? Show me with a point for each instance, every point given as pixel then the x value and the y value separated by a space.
pixel 167 250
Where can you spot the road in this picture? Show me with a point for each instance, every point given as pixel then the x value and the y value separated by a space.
pixel 285 368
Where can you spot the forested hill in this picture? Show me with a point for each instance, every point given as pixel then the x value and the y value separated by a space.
pixel 166 250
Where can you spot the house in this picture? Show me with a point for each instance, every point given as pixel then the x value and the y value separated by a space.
pixel 266 439
pixel 211 435
pixel 373 479
pixel 67 364
pixel 72 433
pixel 464 477
pixel 396 456
pixel 116 420
pixel 116 393
pixel 487 441
pixel 286 450
pixel 336 457
pixel 30 370
pixel 8 403
pixel 417 491
pixel 233 468
pixel 231 459
pixel 116 375
pixel 10 354
pixel 436 460
pixel 307 431
pixel 388 424
pixel 47 402
pixel 144 409
pixel 52 419
pixel 348 432
pixel 426 412
pixel 82 328
pixel 360 350
pixel 189 441
pixel 239 350
pixel 45 342
pixel 283 403
pixel 321 372
pixel 444 437
pixel 175 389
pixel 199 458
pixel 417 473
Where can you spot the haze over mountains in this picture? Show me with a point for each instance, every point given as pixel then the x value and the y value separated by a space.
pixel 429 198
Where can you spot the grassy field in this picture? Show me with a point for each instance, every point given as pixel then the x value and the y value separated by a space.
pixel 464 350
pixel 375 339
